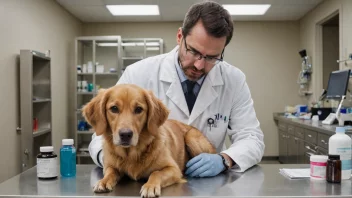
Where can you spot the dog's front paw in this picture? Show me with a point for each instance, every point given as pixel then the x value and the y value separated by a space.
pixel 104 186
pixel 150 190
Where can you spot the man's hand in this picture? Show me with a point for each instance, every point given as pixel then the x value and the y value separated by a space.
pixel 205 165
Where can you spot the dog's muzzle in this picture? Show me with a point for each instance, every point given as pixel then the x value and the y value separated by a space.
pixel 125 136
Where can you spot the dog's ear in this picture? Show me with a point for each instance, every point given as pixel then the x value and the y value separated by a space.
pixel 95 114
pixel 157 112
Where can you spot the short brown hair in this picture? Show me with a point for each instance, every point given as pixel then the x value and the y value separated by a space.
pixel 216 20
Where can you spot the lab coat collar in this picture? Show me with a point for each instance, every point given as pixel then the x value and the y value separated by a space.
pixel 169 75
pixel 168 71
pixel 207 92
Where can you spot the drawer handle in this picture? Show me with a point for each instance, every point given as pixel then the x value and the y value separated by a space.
pixel 322 141
pixel 309 135
pixel 309 154
pixel 307 147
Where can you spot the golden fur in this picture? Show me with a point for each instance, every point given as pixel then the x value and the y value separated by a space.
pixel 156 149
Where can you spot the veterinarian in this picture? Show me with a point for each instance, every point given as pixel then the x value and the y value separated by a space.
pixel 202 90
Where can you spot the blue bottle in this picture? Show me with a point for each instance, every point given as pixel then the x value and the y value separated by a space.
pixel 68 158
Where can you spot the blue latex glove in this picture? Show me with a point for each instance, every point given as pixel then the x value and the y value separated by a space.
pixel 205 165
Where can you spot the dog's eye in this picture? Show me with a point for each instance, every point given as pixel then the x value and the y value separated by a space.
pixel 138 110
pixel 114 109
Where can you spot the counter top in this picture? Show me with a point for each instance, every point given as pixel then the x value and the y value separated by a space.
pixel 259 181
pixel 323 128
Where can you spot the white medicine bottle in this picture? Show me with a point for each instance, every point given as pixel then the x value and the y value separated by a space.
pixel 340 144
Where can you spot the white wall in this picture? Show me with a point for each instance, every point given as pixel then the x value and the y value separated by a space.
pixel 38 25
pixel 267 52
pixel 309 39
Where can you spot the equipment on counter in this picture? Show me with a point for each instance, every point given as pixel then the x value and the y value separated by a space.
pixel 337 88
pixel 322 112
pixel 305 74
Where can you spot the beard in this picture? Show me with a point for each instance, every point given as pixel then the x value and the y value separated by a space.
pixel 190 71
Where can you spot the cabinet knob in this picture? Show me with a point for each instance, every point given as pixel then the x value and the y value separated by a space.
pixel 323 141
pixel 308 147
pixel 309 135
pixel 309 154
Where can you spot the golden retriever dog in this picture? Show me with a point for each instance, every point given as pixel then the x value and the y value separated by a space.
pixel 139 140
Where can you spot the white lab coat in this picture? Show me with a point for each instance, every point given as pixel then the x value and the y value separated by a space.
pixel 224 93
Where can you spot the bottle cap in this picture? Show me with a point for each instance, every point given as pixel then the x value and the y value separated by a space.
pixel 46 149
pixel 340 130
pixel 318 158
pixel 67 142
pixel 334 157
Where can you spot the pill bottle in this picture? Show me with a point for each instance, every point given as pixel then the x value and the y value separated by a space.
pixel 47 163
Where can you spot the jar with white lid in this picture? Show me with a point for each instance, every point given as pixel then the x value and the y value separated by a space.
pixel 318 167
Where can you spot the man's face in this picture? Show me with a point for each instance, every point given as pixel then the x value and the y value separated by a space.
pixel 198 44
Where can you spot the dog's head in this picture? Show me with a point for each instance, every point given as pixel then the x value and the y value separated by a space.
pixel 123 112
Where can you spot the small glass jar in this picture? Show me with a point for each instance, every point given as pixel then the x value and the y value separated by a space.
pixel 47 163
pixel 333 169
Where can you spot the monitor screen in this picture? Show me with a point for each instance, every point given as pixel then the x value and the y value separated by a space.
pixel 338 83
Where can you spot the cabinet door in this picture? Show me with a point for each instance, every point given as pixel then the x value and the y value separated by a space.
pixel 299 132
pixel 292 150
pixel 282 147
pixel 282 126
pixel 301 158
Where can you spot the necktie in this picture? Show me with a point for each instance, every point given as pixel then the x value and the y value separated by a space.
pixel 189 95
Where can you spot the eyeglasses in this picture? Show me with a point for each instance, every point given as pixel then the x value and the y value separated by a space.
pixel 199 56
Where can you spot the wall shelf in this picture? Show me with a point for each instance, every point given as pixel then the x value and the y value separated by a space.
pixel 35 102
pixel 106 74
pixel 42 100
pixel 85 132
pixel 84 74
pixel 41 131
pixel 110 52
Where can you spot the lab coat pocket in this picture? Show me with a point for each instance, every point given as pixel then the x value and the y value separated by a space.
pixel 216 132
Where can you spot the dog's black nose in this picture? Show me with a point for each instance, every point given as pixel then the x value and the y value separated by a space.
pixel 125 135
